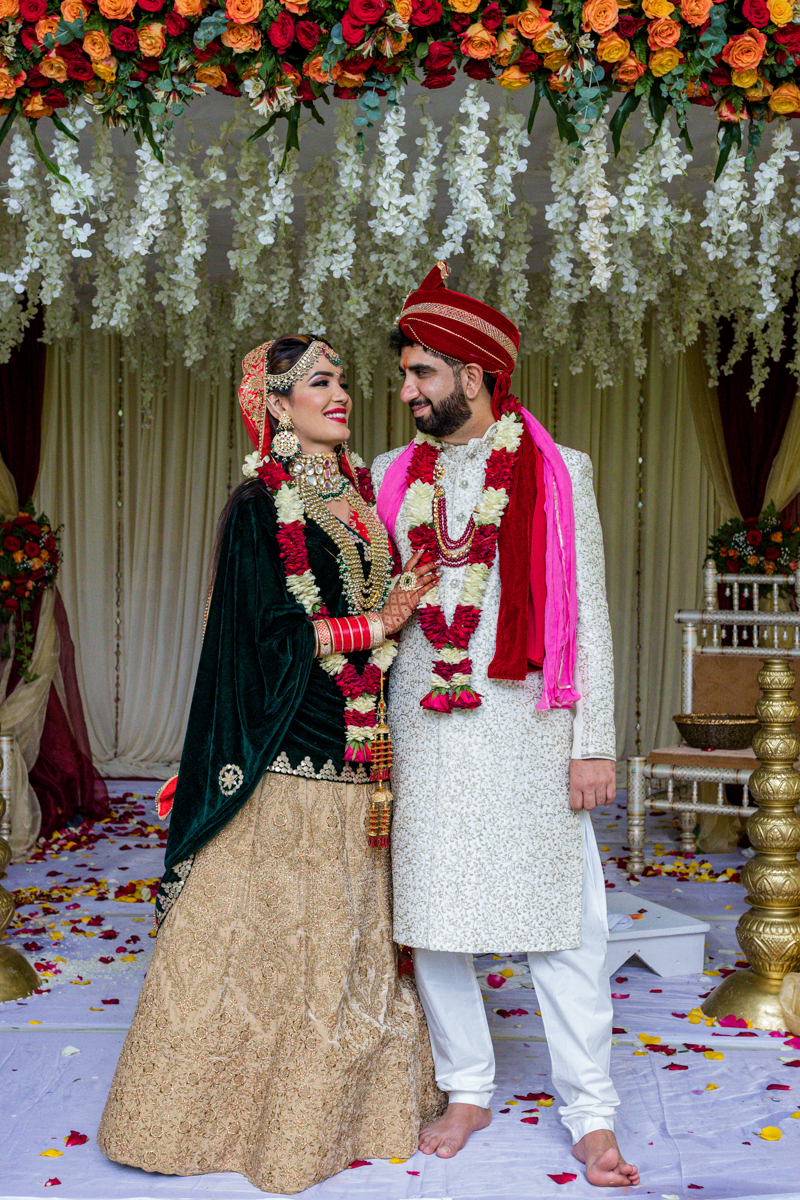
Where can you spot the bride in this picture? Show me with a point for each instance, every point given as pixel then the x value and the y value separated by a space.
pixel 273 1036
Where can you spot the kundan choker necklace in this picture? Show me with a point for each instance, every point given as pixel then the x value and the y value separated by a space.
pixel 322 472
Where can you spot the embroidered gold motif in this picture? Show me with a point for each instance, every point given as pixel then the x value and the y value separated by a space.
pixel 231 779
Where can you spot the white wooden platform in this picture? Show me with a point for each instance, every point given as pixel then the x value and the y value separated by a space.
pixel 666 941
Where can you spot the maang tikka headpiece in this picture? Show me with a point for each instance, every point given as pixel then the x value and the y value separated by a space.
pixel 257 383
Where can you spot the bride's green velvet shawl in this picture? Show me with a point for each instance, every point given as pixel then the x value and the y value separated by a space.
pixel 259 690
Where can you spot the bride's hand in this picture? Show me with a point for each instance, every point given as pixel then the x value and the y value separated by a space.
pixel 401 603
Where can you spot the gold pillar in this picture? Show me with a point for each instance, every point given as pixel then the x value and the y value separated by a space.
pixel 17 976
pixel 769 933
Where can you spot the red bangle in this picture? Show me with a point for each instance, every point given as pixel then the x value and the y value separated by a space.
pixel 349 634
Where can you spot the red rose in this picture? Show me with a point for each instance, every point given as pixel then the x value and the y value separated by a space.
pixel 308 34
pixel 273 474
pixel 32 10
pixel 754 537
pixel 460 23
pixel 721 75
pixel 357 64
pixel 175 24
pixel 124 39
pixel 756 13
pixel 151 5
pixel 304 91
pixel 72 50
pixel 343 93
pixel 12 544
pixel 229 89
pixel 478 68
pixel 32 549
pixel 150 65
pixel 387 66
pixel 352 32
pixel 439 79
pixel 628 25
pixel 492 17
pixel 440 55
pixel 788 37
pixel 751 522
pixel 80 69
pixel 36 79
pixel 367 12
pixel 425 12
pixel 29 40
pixel 281 32
pixel 55 98
pixel 772 553
pixel 529 60
pixel 11 603
pixel 20 590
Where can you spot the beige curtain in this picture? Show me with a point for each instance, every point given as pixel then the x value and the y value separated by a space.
pixel 140 504
pixel 784 478
pixel 704 405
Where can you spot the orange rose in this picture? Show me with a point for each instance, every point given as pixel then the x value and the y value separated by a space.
pixel 744 79
pixel 403 9
pixel 151 39
pixel 532 21
pixel 106 70
pixel 506 44
pixel 190 8
pixel 781 11
pixel 514 78
pixel 600 16
pixel 95 43
pixel 695 12
pixel 72 9
pixel 663 33
pixel 760 91
pixel 657 8
pixel 44 26
pixel 351 79
pixel 116 10
pixel 213 76
pixel 478 42
pixel 53 67
pixel 240 38
pixel 785 99
pixel 664 61
pixel 313 70
pixel 745 50
pixel 298 7
pixel 557 84
pixel 243 12
pixel 9 83
pixel 35 107
pixel 463 6
pixel 628 71
pixel 9 9
pixel 613 48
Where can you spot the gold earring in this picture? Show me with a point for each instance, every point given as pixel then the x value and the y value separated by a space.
pixel 285 443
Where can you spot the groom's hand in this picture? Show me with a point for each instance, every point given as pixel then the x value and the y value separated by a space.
pixel 592 781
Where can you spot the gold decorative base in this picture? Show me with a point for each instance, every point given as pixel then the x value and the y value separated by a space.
pixel 17 977
pixel 749 995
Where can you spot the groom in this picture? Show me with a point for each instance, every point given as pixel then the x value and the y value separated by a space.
pixel 502 721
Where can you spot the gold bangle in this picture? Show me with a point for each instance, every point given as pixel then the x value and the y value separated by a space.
pixel 325 634
pixel 377 630
pixel 317 647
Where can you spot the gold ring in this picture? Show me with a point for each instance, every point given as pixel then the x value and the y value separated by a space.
pixel 408 582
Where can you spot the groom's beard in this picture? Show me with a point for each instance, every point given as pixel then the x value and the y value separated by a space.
pixel 448 415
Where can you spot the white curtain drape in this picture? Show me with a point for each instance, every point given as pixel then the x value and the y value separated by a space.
pixel 140 504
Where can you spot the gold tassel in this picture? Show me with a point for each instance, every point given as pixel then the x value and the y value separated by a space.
pixel 379 821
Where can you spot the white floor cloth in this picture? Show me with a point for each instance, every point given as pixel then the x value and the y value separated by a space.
pixel 691 1122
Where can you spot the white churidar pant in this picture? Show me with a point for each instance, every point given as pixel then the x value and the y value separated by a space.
pixel 574 998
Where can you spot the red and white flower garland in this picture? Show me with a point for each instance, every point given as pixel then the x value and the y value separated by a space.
pixel 360 689
pixel 451 677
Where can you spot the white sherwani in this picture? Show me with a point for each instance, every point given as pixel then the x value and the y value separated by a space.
pixel 487 854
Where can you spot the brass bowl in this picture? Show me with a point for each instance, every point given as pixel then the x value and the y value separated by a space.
pixel 717 731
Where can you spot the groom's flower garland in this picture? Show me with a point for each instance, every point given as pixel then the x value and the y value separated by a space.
pixel 451 677
pixel 359 689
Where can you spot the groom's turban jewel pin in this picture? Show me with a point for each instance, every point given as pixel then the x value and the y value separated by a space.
pixel 536 625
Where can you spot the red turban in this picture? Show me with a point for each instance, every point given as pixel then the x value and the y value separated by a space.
pixel 464 328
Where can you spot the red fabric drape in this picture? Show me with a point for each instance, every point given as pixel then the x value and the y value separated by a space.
pixel 64 777
pixel 753 435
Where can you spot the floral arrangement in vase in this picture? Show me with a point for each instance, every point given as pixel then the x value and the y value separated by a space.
pixel 765 545
pixel 30 555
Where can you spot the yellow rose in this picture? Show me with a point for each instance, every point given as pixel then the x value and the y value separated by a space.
pixel 478 42
pixel 106 70
pixel 151 39
pixel 776 537
pixel 506 44
pixel 116 10
pixel 744 79
pixel 613 48
pixel 555 59
pixel 600 16
pixel 664 61
pixel 532 21
pixel 760 91
pixel 53 67
pixel 95 43
pixel 35 107
pixel 9 9
pixel 781 11
pixel 463 6
pixel 657 8
pixel 351 79
pixel 240 38
pixel 514 78
pixel 785 99
pixel 403 9
pixel 213 76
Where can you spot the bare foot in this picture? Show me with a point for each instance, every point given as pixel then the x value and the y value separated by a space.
pixel 605 1166
pixel 449 1134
